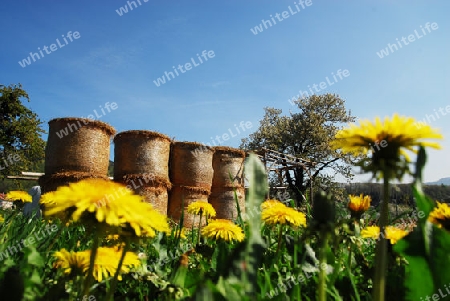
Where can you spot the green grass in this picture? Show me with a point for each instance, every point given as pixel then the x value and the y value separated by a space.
pixel 265 266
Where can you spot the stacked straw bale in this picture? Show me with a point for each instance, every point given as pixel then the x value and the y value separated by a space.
pixel 179 199
pixel 228 180
pixel 53 181
pixel 169 175
pixel 191 174
pixel 77 149
pixel 141 161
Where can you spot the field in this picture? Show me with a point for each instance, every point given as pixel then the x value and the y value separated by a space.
pixel 322 253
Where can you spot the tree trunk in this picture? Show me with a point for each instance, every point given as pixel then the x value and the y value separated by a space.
pixel 297 185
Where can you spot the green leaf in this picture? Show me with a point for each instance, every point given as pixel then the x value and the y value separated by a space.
pixel 210 291
pixel 420 164
pixel 439 258
pixel 179 277
pixel 427 250
pixel 419 281
pixel 242 282
pixel 258 188
pixel 245 268
pixel 424 204
pixel 34 257
pixel 231 289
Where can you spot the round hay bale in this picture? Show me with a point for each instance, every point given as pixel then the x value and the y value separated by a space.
pixel 179 199
pixel 224 202
pixel 191 164
pixel 141 152
pixel 78 145
pixel 52 182
pixel 157 196
pixel 137 180
pixel 153 190
pixel 228 162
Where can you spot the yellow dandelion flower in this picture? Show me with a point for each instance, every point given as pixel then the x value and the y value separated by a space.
pixel 400 131
pixel 270 203
pixel 106 202
pixel 1 219
pixel 440 216
pixel 105 264
pixel 18 195
pixel 201 207
pixel 48 198
pixel 370 232
pixel 107 260
pixel 392 233
pixel 71 262
pixel 143 220
pixel 281 214
pixel 387 142
pixel 359 203
pixel 223 229
pixel 181 233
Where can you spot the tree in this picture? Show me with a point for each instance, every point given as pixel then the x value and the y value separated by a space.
pixel 21 145
pixel 306 134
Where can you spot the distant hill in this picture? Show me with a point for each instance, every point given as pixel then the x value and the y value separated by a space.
pixel 402 193
pixel 442 181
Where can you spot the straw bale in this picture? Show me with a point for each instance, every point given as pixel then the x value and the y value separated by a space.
pixel 228 161
pixel 236 152
pixel 185 195
pixel 52 182
pixel 157 196
pixel 154 190
pixel 191 164
pixel 224 202
pixel 137 180
pixel 85 148
pixel 141 152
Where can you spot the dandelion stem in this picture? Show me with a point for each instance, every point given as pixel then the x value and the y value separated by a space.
pixel 112 289
pixel 322 267
pixel 381 248
pixel 279 238
pixel 90 274
pixel 350 255
pixel 296 294
pixel 200 227
pixel 357 231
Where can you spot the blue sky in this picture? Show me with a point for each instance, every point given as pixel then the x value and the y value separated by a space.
pixel 118 58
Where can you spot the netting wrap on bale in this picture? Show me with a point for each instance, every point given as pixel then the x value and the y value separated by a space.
pixel 191 164
pixel 78 145
pixel 224 202
pixel 137 180
pixel 228 162
pixel 157 196
pixel 179 199
pixel 53 181
pixel 154 190
pixel 141 152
